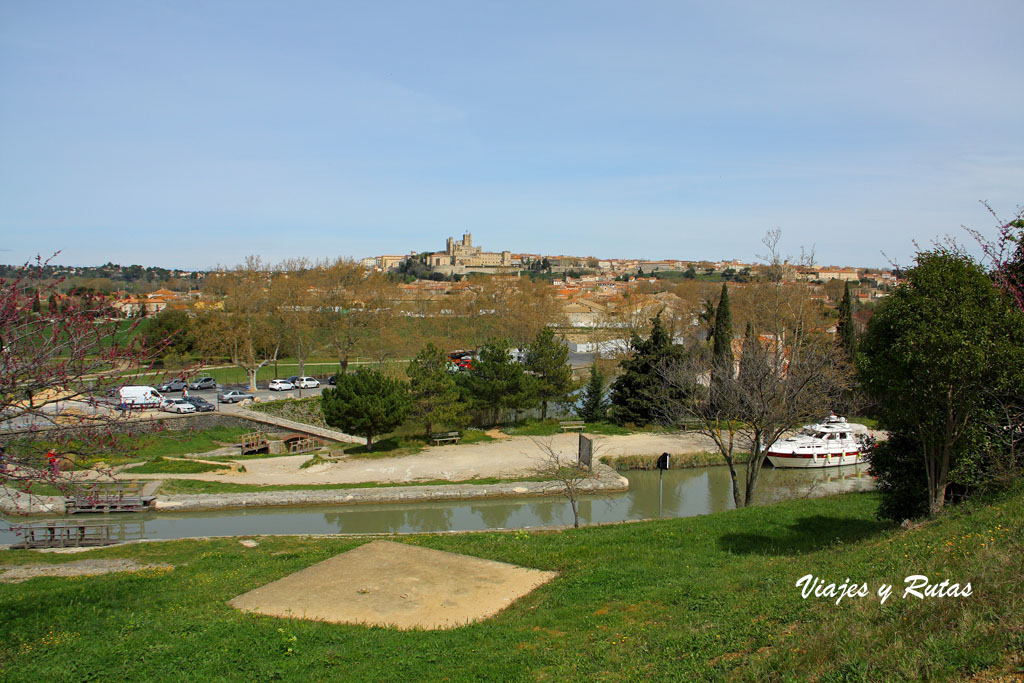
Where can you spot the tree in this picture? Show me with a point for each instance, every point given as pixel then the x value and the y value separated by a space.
pixel 172 330
pixel 548 359
pixel 787 377
pixel 250 330
pixel 495 381
pixel 723 361
pixel 435 395
pixel 844 329
pixel 1006 254
pixel 636 393
pixel 366 403
pixel 936 352
pixel 54 373
pixel 595 405
pixel 565 471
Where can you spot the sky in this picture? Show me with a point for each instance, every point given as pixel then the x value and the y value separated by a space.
pixel 192 134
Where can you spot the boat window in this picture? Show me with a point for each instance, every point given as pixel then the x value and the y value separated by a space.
pixel 820 435
pixel 807 432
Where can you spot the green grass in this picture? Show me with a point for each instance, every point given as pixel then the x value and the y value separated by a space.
pixel 701 598
pixel 550 427
pixel 163 466
pixel 175 443
pixel 190 486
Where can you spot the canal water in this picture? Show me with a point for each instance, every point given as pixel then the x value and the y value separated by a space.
pixel 685 493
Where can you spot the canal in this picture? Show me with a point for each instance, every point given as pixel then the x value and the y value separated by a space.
pixel 685 493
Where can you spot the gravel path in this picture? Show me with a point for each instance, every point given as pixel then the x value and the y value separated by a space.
pixel 24 572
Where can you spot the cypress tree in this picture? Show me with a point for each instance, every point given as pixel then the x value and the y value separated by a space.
pixel 723 361
pixel 844 329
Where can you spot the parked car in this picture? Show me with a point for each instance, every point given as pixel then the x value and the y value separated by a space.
pixel 177 405
pixel 331 381
pixel 293 379
pixel 173 385
pixel 233 396
pixel 201 404
pixel 280 385
pixel 203 383
pixel 307 383
pixel 139 397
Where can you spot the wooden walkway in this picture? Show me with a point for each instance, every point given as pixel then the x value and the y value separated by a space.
pixel 119 496
pixel 68 534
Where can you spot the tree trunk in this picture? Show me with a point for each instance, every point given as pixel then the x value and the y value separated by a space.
pixel 735 483
pixel 543 410
pixel 575 512
pixel 369 444
pixel 252 378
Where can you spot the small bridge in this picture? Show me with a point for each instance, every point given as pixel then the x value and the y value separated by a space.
pixel 292 426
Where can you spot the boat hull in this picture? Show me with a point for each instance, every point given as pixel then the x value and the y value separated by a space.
pixel 810 461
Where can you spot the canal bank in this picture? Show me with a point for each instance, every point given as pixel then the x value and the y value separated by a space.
pixel 683 493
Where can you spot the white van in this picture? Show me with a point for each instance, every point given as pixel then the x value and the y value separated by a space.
pixel 140 397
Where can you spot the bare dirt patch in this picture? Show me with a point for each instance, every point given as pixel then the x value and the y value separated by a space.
pixel 398 585
pixel 24 572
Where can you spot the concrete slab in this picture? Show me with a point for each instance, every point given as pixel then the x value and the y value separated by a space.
pixel 402 586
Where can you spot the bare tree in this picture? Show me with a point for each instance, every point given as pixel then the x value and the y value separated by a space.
pixel 563 468
pixel 786 377
pixel 55 371
pixel 249 331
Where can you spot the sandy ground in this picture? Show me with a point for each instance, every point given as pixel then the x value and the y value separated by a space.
pixel 395 584
pixel 24 572
pixel 505 459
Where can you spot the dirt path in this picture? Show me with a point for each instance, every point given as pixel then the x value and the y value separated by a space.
pixel 508 458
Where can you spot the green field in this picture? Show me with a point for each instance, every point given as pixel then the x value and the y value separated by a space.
pixel 702 598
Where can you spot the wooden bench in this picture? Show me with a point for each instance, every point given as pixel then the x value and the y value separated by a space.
pixel 445 437
pixel 254 442
pixel 302 445
pixel 568 425
pixel 117 496
pixel 689 423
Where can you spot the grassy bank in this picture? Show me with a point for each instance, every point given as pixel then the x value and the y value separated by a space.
pixel 678 461
pixel 700 598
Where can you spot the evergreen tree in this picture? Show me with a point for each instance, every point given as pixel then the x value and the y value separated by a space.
pixel 723 367
pixel 548 359
pixel 51 304
pixel 36 306
pixel 435 396
pixel 637 393
pixel 844 329
pixel 495 381
pixel 595 405
pixel 366 403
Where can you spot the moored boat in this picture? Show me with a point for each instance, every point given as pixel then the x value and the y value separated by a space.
pixel 830 443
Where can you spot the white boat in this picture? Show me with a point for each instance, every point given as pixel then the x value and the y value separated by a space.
pixel 830 443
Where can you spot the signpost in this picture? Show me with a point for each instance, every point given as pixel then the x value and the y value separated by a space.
pixel 586 452
pixel 663 464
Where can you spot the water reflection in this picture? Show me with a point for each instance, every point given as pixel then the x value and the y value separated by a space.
pixel 685 493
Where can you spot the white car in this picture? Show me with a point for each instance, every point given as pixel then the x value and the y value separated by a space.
pixel 177 405
pixel 280 385
pixel 307 383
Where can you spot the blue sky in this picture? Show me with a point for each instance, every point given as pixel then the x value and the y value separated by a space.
pixel 190 134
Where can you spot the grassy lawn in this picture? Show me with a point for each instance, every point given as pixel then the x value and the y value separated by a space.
pixel 699 598
pixel 550 427
pixel 163 466
pixel 174 443
pixel 188 486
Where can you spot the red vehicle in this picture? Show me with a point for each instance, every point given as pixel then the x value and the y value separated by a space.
pixel 463 360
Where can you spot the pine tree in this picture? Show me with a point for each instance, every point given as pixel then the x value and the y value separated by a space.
pixel 637 394
pixel 494 381
pixel 844 329
pixel 435 396
pixel 595 406
pixel 548 359
pixel 366 403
